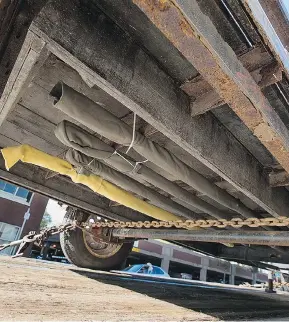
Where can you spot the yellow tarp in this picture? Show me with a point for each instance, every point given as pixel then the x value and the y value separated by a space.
pixel 28 154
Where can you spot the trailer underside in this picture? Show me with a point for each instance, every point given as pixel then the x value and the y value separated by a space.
pixel 203 78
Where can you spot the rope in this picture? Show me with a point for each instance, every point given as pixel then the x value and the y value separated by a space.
pixel 84 166
pixel 133 134
pixel 136 164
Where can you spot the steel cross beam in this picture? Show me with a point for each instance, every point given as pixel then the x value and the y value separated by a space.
pixel 274 238
pixel 195 36
pixel 271 19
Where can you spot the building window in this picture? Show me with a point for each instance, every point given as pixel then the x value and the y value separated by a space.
pixel 22 192
pixel 9 189
pixel 8 233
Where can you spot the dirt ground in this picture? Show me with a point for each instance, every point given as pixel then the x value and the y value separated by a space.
pixel 34 290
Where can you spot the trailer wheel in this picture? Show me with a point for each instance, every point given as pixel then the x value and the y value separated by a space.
pixel 82 250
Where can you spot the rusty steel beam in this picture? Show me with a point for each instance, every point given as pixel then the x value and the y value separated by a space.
pixel 272 23
pixel 259 62
pixel 264 76
pixel 195 36
pixel 273 238
pixel 253 60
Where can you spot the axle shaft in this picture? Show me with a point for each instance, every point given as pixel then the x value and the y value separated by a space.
pixel 273 238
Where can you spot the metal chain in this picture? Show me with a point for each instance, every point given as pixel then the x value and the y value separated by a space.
pixel 202 223
pixel 187 224
pixel 34 237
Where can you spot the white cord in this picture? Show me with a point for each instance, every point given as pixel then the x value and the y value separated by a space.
pixel 135 168
pixel 90 162
pixel 83 166
pixel 133 134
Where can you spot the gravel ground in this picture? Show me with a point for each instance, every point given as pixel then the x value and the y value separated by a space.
pixel 32 290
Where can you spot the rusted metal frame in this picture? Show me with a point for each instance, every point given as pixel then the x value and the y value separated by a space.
pixel 197 39
pixel 264 76
pixel 259 62
pixel 254 59
pixel 272 238
pixel 273 26
pixel 245 24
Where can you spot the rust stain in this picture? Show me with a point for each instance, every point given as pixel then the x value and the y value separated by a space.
pixel 264 35
pixel 277 149
pixel 264 132
pixel 168 17
pixel 163 5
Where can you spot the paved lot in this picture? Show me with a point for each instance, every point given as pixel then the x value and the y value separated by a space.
pixel 37 290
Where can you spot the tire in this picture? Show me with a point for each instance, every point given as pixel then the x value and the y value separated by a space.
pixel 83 251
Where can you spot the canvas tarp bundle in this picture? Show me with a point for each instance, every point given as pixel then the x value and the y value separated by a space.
pixel 79 159
pixel 96 118
pixel 28 154
pixel 77 138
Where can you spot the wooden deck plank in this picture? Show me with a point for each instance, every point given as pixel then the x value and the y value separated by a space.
pixel 23 136
pixel 28 120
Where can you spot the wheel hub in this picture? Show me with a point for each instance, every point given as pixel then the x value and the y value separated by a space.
pixel 98 248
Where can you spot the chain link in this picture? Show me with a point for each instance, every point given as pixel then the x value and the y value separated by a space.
pixel 34 237
pixel 187 224
pixel 202 223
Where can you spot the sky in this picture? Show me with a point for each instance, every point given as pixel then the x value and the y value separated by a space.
pixel 56 212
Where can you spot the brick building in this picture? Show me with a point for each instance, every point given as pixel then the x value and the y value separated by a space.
pixel 15 202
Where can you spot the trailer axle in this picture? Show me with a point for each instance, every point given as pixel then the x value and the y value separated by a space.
pixel 272 238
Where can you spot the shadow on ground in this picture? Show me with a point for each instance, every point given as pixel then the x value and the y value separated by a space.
pixel 223 304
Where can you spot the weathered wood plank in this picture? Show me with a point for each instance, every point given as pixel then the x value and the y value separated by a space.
pixel 6 141
pixel 205 103
pixel 31 57
pixel 279 179
pixel 141 85
pixel 8 13
pixel 14 37
pixel 28 120
pixel 36 98
pixel 23 136
pixel 54 70
pixel 125 13
pixel 233 123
